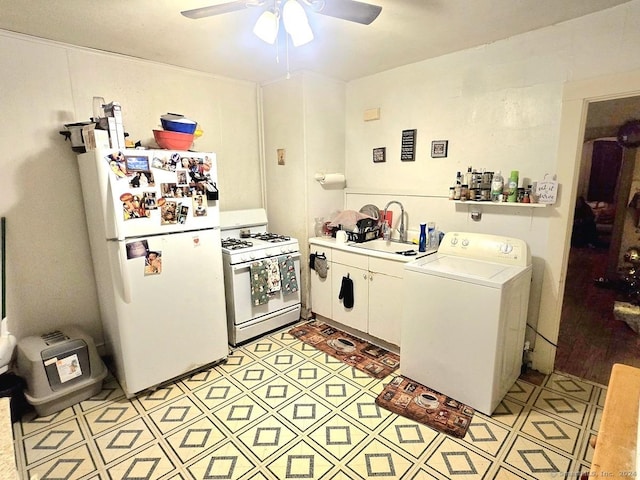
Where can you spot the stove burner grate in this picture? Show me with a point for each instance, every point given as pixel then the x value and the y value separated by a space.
pixel 236 243
pixel 271 237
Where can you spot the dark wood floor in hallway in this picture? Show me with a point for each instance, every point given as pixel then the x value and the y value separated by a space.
pixel 591 340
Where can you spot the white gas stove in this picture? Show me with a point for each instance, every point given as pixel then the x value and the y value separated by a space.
pixel 248 252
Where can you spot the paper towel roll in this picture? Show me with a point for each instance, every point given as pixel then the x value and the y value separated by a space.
pixel 334 180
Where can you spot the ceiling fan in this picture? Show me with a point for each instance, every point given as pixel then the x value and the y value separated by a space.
pixel 350 10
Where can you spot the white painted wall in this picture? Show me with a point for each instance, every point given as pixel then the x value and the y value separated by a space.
pixel 304 115
pixel 45 85
pixel 500 106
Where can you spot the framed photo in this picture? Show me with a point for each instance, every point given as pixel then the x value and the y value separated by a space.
pixel 379 155
pixel 439 148
pixel 137 163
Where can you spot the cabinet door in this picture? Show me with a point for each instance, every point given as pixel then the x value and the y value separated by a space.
pixel 355 317
pixel 321 287
pixel 385 307
pixel 321 293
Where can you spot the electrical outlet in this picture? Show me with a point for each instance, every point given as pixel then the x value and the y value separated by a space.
pixel 281 156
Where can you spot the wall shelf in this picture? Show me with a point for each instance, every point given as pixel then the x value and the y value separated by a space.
pixel 501 204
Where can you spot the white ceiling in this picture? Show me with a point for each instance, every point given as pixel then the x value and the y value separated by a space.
pixel 406 31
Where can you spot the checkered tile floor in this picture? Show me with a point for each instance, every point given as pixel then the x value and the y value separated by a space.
pixel 279 409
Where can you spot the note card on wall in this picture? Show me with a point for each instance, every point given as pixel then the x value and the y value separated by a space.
pixel 547 190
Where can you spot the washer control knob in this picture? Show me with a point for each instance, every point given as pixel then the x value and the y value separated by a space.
pixel 465 242
pixel 506 248
pixel 454 241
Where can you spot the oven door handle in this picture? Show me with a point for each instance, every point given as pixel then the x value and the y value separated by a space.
pixel 295 256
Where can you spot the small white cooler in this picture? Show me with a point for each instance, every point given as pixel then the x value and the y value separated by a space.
pixel 61 368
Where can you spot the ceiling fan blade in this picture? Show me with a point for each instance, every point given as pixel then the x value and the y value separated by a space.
pixel 219 9
pixel 350 10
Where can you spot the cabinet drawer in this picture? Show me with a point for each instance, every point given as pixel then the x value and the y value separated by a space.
pixel 350 259
pixel 388 267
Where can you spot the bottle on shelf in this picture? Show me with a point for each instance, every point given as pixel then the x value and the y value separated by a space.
pixel 458 187
pixel 422 245
pixel 464 192
pixel 497 185
pixel 513 187
pixel 468 178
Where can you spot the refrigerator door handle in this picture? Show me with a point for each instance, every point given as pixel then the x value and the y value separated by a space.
pixel 117 207
pixel 124 277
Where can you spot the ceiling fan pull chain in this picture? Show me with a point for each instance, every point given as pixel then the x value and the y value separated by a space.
pixel 287 48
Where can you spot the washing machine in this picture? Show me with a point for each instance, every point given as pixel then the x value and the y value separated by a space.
pixel 465 313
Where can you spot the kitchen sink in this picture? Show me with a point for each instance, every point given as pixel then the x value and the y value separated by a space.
pixel 381 245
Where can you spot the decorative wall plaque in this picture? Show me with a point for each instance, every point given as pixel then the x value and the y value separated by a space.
pixel 408 150
pixel 439 148
pixel 379 154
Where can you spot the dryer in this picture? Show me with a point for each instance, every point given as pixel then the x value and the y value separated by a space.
pixel 465 313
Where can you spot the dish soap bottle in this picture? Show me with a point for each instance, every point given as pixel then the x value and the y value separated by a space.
pixel 386 232
pixel 422 244
pixel 513 187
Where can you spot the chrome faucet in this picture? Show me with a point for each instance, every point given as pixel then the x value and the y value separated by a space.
pixel 402 230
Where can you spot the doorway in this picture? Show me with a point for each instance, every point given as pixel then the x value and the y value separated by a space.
pixel 590 339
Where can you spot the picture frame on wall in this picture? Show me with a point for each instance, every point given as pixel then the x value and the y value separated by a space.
pixel 439 148
pixel 408 147
pixel 379 155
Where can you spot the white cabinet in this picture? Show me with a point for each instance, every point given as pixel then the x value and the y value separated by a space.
pixel 354 267
pixel 377 290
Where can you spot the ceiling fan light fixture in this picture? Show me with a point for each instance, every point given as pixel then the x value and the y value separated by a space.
pixel 296 23
pixel 266 28
pixel 301 35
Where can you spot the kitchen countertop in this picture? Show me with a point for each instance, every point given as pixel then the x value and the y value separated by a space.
pixel 358 248
pixel 615 452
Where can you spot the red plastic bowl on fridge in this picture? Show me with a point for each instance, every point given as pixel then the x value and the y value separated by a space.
pixel 173 140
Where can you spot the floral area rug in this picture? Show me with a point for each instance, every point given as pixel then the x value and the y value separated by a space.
pixel 358 353
pixel 423 405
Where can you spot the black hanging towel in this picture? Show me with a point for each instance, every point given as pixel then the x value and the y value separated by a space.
pixel 346 292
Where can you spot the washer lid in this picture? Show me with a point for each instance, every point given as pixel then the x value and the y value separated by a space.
pixel 469 270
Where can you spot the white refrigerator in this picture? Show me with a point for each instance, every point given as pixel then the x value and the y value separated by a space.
pixel 153 221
